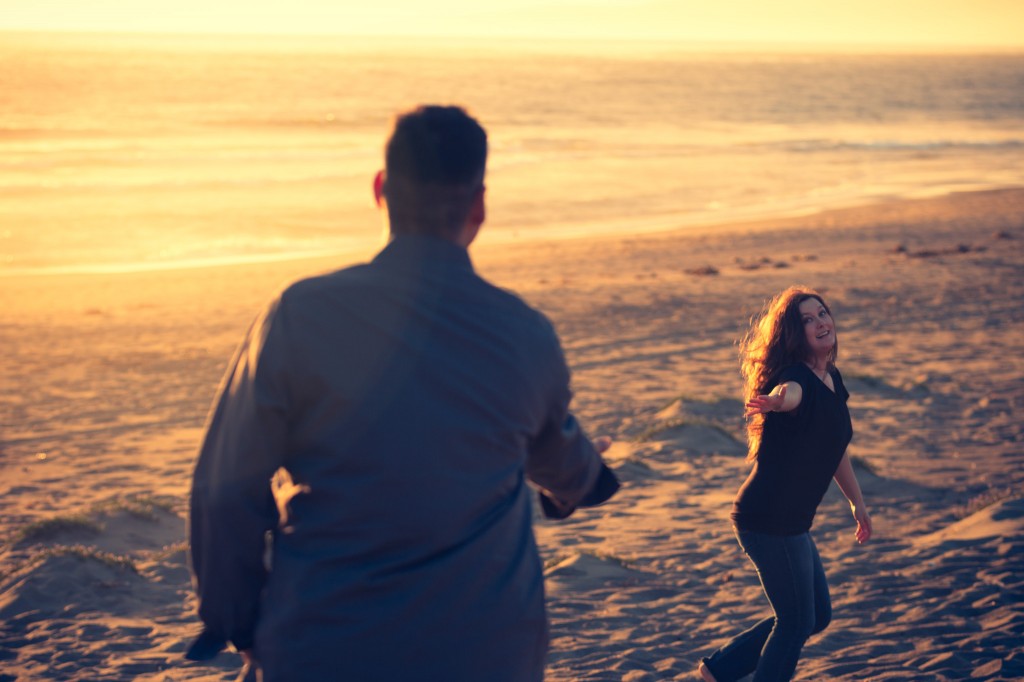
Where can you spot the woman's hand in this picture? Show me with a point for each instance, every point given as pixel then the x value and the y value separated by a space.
pixel 763 404
pixel 863 523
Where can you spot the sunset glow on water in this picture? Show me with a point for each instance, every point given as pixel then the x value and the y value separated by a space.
pixel 129 152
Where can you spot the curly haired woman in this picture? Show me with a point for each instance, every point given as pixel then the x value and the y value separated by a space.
pixel 798 428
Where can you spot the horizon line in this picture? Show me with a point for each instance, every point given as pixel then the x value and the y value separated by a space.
pixel 543 42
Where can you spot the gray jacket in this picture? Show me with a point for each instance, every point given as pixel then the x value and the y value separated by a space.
pixel 403 406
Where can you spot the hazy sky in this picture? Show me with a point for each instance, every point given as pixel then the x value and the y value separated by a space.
pixel 983 23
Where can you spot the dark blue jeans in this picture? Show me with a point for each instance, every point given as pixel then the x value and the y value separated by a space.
pixel 794 582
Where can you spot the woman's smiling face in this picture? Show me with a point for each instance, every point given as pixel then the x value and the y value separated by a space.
pixel 818 326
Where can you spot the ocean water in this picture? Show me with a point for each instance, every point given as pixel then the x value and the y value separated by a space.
pixel 141 152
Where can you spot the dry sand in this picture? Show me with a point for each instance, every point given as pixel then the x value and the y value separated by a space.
pixel 107 380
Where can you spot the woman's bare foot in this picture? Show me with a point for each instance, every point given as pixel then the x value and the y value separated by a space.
pixel 705 674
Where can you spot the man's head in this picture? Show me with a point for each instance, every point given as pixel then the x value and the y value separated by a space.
pixel 434 173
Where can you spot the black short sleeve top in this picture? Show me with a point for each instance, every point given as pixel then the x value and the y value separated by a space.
pixel 799 454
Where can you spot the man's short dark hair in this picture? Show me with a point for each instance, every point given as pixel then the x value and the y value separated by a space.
pixel 434 165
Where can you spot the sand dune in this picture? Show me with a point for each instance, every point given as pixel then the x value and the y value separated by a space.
pixel 108 379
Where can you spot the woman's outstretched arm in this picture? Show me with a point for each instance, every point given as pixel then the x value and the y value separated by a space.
pixel 783 398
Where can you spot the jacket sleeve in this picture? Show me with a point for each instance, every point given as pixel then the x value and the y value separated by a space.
pixel 232 507
pixel 562 462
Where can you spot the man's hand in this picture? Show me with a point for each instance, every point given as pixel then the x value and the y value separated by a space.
pixel 249 667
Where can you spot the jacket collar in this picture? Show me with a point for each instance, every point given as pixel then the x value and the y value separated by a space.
pixel 419 250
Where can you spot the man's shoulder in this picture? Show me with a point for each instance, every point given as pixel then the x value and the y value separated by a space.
pixel 512 303
pixel 507 296
pixel 325 281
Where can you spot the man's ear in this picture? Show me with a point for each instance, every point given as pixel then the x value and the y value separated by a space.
pixel 477 214
pixel 478 211
pixel 378 188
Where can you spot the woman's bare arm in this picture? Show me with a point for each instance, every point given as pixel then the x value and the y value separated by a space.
pixel 847 481
pixel 783 398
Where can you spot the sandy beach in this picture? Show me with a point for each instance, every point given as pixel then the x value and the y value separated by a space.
pixel 107 379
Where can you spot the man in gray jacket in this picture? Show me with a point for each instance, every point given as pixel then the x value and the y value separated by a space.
pixel 400 407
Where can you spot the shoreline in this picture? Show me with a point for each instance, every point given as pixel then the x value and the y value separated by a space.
pixel 791 219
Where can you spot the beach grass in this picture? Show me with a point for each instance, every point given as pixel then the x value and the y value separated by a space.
pixel 47 529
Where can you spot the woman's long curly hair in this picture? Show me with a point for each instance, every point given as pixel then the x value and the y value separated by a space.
pixel 776 340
